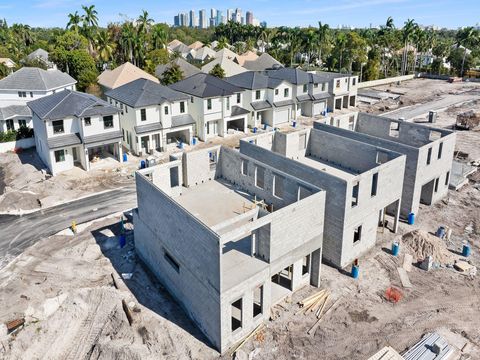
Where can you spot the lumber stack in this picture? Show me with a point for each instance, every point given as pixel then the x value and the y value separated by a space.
pixel 314 303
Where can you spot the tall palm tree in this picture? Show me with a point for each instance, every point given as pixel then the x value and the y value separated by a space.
pixel 323 35
pixel 89 25
pixel 310 43
pixel 127 39
pixel 407 33
pixel 467 37
pixel 159 37
pixel 74 21
pixel 144 23
pixel 340 44
pixel 105 46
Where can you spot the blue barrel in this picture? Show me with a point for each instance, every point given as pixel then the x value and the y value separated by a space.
pixel 122 240
pixel 180 144
pixel 411 219
pixel 440 232
pixel 466 250
pixel 194 141
pixel 265 126
pixel 254 130
pixel 355 271
pixel 294 123
pixel 125 158
pixel 395 248
pixel 142 164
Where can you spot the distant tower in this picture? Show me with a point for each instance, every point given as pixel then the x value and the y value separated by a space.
pixel 229 14
pixel 219 20
pixel 249 16
pixel 176 20
pixel 193 19
pixel 238 15
pixel 202 19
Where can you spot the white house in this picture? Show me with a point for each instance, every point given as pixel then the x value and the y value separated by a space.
pixel 27 84
pixel 9 64
pixel 75 129
pixel 269 100
pixel 153 116
pixel 215 105
pixel 342 88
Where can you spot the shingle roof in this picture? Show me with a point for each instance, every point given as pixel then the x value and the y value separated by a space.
pixel 123 75
pixel 181 48
pixel 182 120
pixel 39 53
pixel 205 86
pixel 316 97
pixel 103 138
pixel 303 98
pixel 70 103
pixel 142 129
pixel 142 92
pixel 261 105
pixel 177 121
pixel 36 79
pixel 253 80
pixel 230 67
pixel 196 45
pixel 247 56
pixel 293 76
pixel 60 141
pixel 238 110
pixel 187 68
pixel 330 75
pixel 263 62
pixel 283 103
pixel 11 111
pixel 202 54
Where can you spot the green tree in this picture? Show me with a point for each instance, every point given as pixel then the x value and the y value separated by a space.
pixel 408 32
pixel 172 75
pixel 82 67
pixel 154 58
pixel 104 46
pixel 89 25
pixel 468 38
pixel 460 61
pixel 217 71
pixel 74 21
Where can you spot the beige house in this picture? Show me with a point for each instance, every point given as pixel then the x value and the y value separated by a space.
pixel 111 79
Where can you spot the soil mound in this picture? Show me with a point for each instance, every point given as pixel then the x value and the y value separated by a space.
pixel 421 244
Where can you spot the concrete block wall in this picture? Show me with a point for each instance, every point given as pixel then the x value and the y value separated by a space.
pixel 160 176
pixel 292 144
pixel 196 166
pixel 161 225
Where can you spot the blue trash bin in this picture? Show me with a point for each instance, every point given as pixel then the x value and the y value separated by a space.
pixel 440 232
pixel 355 271
pixel 194 141
pixel 125 158
pixel 466 250
pixel 395 248
pixel 180 145
pixel 142 164
pixel 122 240
pixel 294 123
pixel 254 130
pixel 411 219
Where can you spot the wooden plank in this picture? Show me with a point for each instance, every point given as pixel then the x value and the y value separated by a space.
pixel 407 262
pixel 404 278
pixel 127 312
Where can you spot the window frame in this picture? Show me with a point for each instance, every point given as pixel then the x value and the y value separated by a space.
pixel 182 107
pixel 107 119
pixel 58 126
pixel 59 158
pixel 89 122
pixel 209 104
pixel 143 114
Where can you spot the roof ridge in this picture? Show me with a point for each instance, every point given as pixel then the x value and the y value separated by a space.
pixel 61 101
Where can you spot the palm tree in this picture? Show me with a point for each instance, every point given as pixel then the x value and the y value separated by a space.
pixel 408 32
pixel 127 39
pixel 467 37
pixel 144 23
pixel 217 71
pixel 341 43
pixel 323 34
pixel 89 25
pixel 159 37
pixel 74 21
pixel 104 45
pixel 310 43
pixel 172 75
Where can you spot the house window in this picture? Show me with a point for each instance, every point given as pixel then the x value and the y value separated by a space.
pixel 244 167
pixel 87 121
pixel 260 177
pixel 209 104
pixel 285 92
pixel 182 107
pixel 447 178
pixel 357 234
pixel 306 265
pixel 57 126
pixel 108 122
pixel 354 81
pixel 373 192
pixel 429 156
pixel 315 85
pixel 123 134
pixel 351 123
pixel 258 301
pixel 276 91
pixel 22 94
pixel 165 109
pixel 337 85
pixel 59 155
pixel 437 180
pixel 305 88
pixel 174 180
pixel 440 149
pixel 257 94
pixel 302 141
pixel 237 315
pixel 303 192
pixel 174 264
pixel 143 114
pixel 228 103
pixel 355 194
pixel 239 98
pixel 278 186
pixel 31 94
pixel 324 86
pixel 382 157
pixel 22 123
pixel 10 126
pixel 121 106
pixel 126 109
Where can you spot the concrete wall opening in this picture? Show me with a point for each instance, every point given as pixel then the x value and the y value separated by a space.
pixel 357 234
pixel 302 142
pixel 373 191
pixel 429 156
pixel 355 190
pixel 352 100
pixel 178 136
pixel 306 265
pixel 237 313
pixel 303 192
pixel 259 177
pixel 278 186
pixel 345 102
pixel 237 124
pixel 338 103
pixel 426 194
pixel 174 177
pixel 284 278
pixel 394 129
pixel 258 301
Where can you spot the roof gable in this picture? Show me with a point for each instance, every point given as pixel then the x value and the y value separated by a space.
pixel 205 86
pixel 122 75
pixel 36 79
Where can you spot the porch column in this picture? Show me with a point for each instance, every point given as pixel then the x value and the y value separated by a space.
pixel 120 151
pixel 316 267
pixel 397 216
pixel 87 159
pixel 150 144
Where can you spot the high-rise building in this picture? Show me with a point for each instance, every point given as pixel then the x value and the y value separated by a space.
pixel 263 24
pixel 213 13
pixel 219 20
pixel 229 14
pixel 249 16
pixel 238 15
pixel 193 19
pixel 202 19
pixel 176 20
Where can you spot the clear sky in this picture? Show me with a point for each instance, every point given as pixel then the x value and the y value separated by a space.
pixel 359 13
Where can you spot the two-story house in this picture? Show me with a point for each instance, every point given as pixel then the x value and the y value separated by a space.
pixel 153 116
pixel 75 129
pixel 215 105
pixel 268 99
pixel 24 85
pixel 342 88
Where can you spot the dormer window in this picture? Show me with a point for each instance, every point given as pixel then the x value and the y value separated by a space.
pixel 165 110
pixel 285 92
pixel 305 88
pixel 257 94
pixel 239 98
pixel 209 104
pixel 143 114
pixel 87 121
pixel 182 107
pixel 58 127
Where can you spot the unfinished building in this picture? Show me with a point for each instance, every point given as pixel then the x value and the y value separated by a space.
pixel 429 152
pixel 363 184
pixel 229 236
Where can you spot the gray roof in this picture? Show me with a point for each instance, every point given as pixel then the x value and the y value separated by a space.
pixel 182 120
pixel 205 86
pixel 322 96
pixel 303 98
pixel 36 79
pixel 60 141
pixel 238 110
pixel 263 62
pixel 143 92
pixel 284 103
pixel 11 111
pixel 181 48
pixel 253 80
pixel 187 68
pixel 261 105
pixel 142 129
pixel 331 75
pixel 39 53
pixel 102 139
pixel 293 76
pixel 70 103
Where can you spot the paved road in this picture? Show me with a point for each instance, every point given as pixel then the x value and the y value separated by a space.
pixel 19 232
pixel 446 101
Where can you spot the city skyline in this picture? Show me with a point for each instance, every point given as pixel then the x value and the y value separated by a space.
pixel 198 19
pixel 441 13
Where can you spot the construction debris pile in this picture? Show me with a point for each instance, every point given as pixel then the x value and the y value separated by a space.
pixel 421 244
pixel 469 120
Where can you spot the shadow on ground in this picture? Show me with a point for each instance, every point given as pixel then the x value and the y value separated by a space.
pixel 148 291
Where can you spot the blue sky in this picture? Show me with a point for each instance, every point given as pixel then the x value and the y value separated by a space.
pixel 361 13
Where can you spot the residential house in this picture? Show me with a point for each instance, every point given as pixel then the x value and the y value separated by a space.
pixel 26 84
pixel 269 100
pixel 153 116
pixel 342 88
pixel 225 256
pixel 121 75
pixel 196 45
pixel 75 129
pixel 201 55
pixel 230 67
pixel 429 153
pixel 9 64
pixel 186 68
pixel 362 184
pixel 215 105
pixel 41 56
pixel 247 56
pixel 263 62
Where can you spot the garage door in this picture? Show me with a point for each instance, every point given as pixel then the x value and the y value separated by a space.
pixel 282 116
pixel 318 107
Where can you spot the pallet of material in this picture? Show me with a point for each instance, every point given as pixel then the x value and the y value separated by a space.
pixel 387 353
pixel 431 347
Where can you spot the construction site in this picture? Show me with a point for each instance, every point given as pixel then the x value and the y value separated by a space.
pixel 312 242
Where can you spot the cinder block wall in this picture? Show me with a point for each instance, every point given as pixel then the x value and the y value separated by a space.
pixel 196 166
